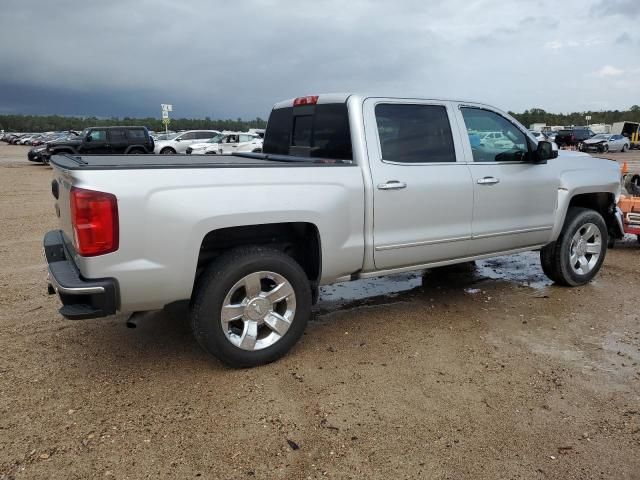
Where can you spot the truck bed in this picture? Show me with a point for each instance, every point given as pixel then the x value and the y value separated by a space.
pixel 140 162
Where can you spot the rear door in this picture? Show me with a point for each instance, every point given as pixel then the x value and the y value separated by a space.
pixel 514 199
pixel 118 140
pixel 422 190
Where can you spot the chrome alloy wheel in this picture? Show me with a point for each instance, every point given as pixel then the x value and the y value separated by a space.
pixel 585 249
pixel 258 310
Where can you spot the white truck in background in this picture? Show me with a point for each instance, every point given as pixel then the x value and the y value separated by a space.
pixel 347 187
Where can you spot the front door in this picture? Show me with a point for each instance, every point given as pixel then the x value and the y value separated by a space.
pixel 514 198
pixel 422 194
pixel 96 142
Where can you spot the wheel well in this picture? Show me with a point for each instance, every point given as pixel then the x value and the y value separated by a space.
pixel 167 148
pixel 300 240
pixel 602 202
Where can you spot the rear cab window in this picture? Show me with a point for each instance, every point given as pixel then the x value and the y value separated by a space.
pixel 316 131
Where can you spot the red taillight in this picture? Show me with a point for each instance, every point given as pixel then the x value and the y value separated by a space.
pixel 309 100
pixel 94 216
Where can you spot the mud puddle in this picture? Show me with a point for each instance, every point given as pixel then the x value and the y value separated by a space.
pixel 522 269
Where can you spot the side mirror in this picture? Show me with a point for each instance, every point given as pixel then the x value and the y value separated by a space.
pixel 545 152
pixel 177 139
pixel 88 138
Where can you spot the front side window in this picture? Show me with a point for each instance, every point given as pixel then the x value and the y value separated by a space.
pixel 98 135
pixel 493 138
pixel 188 136
pixel 414 133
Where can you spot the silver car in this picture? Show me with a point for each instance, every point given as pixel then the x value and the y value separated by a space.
pixel 604 142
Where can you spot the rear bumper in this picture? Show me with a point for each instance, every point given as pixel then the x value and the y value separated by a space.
pixel 80 298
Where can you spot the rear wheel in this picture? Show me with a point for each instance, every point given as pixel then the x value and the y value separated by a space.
pixel 576 257
pixel 251 306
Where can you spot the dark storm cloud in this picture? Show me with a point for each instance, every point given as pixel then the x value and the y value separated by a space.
pixel 230 59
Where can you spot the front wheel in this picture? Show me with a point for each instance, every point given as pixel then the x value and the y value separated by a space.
pixel 251 306
pixel 576 257
pixel 167 151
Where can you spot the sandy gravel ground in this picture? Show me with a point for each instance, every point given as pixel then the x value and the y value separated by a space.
pixel 485 372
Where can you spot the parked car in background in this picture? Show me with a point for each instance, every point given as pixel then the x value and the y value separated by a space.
pixel 210 147
pixel 228 143
pixel 573 136
pixel 179 142
pixel 104 140
pixel 605 143
pixel 539 135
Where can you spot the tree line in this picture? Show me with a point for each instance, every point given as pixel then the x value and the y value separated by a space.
pixel 538 115
pixel 45 123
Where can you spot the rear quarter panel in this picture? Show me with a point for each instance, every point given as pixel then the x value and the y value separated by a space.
pixel 164 215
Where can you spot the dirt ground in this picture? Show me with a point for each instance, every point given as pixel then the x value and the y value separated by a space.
pixel 485 372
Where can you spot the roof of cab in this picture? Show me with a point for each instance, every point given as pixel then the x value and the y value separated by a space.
pixel 343 97
pixel 322 98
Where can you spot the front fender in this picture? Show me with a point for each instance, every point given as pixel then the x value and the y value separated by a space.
pixel 580 182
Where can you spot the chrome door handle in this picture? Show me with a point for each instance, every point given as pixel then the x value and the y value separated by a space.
pixel 488 181
pixel 392 185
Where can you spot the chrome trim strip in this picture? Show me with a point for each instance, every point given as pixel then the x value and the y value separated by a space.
pixel 419 244
pixel 72 290
pixel 459 239
pixel 512 232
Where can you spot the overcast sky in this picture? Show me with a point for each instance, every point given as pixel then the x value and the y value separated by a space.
pixel 236 58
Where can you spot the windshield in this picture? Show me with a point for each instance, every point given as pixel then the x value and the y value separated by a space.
pixel 172 136
pixel 601 136
pixel 216 138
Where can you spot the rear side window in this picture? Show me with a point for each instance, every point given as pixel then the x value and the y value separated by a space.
pixel 117 135
pixel 320 131
pixel 414 133
pixel 137 134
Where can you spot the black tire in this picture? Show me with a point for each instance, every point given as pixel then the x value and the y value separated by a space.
pixel 217 281
pixel 632 184
pixel 624 148
pixel 136 151
pixel 167 151
pixel 555 257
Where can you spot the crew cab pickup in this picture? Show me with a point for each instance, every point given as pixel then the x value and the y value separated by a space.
pixel 347 187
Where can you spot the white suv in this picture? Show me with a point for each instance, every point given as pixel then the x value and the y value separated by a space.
pixel 178 142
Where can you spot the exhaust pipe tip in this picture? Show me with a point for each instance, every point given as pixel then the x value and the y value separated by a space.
pixel 132 321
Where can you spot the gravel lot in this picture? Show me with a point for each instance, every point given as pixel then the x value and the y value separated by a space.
pixel 473 372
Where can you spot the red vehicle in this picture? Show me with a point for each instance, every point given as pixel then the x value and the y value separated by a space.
pixel 630 207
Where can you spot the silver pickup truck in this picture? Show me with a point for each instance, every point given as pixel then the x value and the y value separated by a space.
pixel 347 187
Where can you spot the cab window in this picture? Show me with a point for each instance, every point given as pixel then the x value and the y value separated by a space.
pixel 414 133
pixel 493 138
pixel 98 135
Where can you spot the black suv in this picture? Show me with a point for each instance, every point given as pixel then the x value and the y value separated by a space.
pixel 572 137
pixel 104 141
